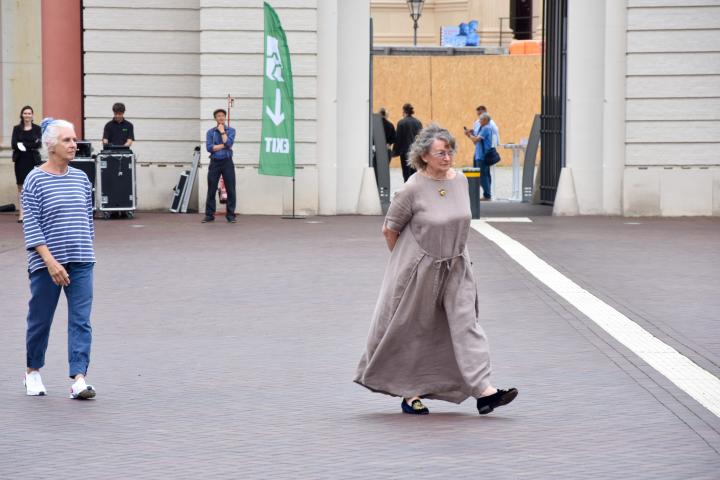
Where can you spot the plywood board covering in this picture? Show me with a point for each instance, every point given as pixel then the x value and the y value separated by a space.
pixel 447 89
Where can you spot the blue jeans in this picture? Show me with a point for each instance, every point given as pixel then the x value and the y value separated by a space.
pixel 485 180
pixel 43 301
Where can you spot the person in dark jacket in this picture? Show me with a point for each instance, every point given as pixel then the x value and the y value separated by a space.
pixel 26 142
pixel 407 129
pixel 389 130
pixel 388 127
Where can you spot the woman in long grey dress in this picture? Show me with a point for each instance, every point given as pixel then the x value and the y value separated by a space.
pixel 425 340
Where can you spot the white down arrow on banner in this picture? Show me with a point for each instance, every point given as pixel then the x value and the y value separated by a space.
pixel 277 116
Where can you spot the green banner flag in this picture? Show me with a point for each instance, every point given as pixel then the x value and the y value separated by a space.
pixel 277 143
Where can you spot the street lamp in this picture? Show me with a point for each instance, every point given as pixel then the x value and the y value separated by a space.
pixel 415 7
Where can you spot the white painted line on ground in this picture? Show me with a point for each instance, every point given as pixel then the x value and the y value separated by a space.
pixel 506 219
pixel 680 370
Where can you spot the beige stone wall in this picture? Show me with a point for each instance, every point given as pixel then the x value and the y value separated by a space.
pixel 393 26
pixel 175 64
pixel 21 75
pixel 447 89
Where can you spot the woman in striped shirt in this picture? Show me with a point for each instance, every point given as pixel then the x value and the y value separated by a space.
pixel 59 233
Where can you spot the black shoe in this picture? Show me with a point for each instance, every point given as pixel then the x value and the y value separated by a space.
pixel 417 408
pixel 487 404
pixel 208 218
pixel 232 219
pixel 20 220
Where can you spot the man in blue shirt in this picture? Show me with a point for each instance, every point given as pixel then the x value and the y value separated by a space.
pixel 219 142
pixel 496 132
pixel 483 137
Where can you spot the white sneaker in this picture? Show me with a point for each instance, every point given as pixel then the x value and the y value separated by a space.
pixel 33 384
pixel 82 390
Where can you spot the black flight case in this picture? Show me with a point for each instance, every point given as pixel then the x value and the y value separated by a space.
pixel 116 183
pixel 85 161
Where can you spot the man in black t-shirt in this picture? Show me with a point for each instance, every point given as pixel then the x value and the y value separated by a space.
pixel 118 131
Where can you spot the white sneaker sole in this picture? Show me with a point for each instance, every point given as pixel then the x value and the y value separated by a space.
pixel 33 393
pixel 86 394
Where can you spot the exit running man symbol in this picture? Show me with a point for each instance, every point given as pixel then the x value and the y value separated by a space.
pixel 274 71
pixel 274 64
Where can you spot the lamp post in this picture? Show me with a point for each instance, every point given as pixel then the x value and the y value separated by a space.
pixel 415 7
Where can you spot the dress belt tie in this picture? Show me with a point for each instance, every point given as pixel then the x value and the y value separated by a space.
pixel 444 266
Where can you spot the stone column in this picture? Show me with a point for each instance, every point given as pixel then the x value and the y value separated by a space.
pixel 614 106
pixel 585 103
pixel 20 62
pixel 21 76
pixel 327 107
pixel 62 74
pixel 353 98
pixel 343 103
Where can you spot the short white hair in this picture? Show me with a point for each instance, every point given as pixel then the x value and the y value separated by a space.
pixel 484 116
pixel 51 130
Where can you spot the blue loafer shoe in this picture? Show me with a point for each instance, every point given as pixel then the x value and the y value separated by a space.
pixel 416 408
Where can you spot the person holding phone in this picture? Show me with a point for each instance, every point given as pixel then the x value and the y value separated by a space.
pixel 219 142
pixel 483 136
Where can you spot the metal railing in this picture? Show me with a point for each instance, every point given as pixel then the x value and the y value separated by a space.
pixel 529 32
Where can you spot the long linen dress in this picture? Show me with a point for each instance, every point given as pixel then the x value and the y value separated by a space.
pixel 425 338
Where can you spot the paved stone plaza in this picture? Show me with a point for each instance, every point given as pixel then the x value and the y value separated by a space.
pixel 228 351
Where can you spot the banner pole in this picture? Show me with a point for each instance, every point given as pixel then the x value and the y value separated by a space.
pixel 293 216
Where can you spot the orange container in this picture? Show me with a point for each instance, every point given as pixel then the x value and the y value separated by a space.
pixel 525 47
pixel 517 47
pixel 533 47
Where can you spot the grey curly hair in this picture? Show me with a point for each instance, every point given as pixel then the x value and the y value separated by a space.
pixel 424 141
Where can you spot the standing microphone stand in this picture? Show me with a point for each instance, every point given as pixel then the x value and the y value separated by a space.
pixel 231 103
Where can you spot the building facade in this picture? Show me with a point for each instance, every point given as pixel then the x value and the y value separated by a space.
pixel 172 62
pixel 642 109
pixel 393 25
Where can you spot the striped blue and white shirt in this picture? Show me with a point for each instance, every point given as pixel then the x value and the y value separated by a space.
pixel 58 213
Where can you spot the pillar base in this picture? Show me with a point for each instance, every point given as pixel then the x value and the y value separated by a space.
pixel 369 201
pixel 566 198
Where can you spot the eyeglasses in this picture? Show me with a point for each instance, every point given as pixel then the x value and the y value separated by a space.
pixel 447 153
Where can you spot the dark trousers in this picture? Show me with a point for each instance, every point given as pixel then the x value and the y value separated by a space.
pixel 43 301
pixel 485 178
pixel 407 170
pixel 226 168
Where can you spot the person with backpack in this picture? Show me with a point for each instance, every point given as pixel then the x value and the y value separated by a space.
pixel 483 136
